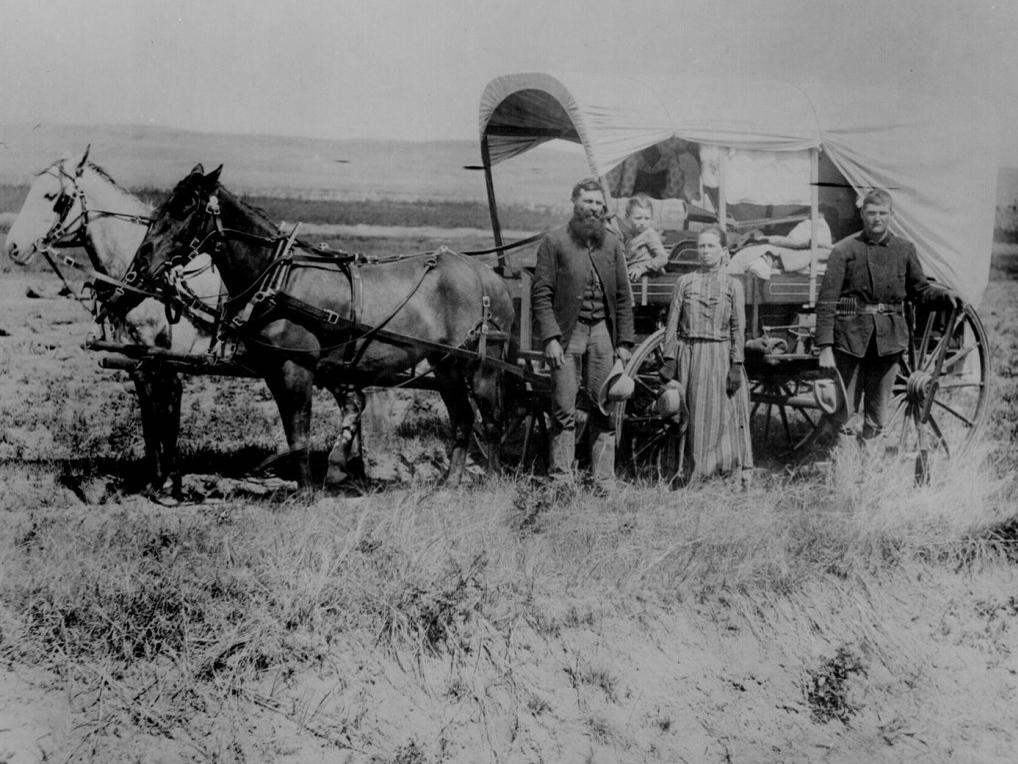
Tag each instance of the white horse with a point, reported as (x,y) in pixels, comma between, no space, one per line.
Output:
(74,202)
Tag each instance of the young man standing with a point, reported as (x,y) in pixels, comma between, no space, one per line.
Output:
(861,327)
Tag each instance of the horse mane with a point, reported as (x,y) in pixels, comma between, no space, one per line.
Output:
(98,169)
(115,186)
(101,172)
(257,211)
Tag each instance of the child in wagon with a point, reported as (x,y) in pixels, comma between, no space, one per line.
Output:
(644,251)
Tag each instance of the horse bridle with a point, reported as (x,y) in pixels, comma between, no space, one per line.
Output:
(149,278)
(64,234)
(200,234)
(60,233)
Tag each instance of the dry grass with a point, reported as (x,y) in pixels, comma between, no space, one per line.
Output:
(165,621)
(417,565)
(161,619)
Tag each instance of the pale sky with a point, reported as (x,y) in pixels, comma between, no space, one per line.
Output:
(415,70)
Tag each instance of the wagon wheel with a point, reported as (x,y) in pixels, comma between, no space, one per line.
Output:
(942,388)
(785,413)
(649,447)
(524,430)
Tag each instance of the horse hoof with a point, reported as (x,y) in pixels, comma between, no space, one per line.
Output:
(455,480)
(335,477)
(348,490)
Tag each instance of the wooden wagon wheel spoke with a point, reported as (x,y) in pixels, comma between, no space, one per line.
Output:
(968,421)
(652,443)
(767,420)
(643,386)
(954,359)
(961,384)
(784,423)
(910,416)
(924,344)
(932,424)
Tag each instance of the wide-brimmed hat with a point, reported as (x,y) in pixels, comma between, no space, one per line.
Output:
(829,392)
(618,387)
(671,403)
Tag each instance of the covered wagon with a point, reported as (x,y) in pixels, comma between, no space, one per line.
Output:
(762,157)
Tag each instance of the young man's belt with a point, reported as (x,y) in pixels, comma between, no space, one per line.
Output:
(848,306)
(880,307)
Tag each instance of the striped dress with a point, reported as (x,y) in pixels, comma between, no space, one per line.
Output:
(705,334)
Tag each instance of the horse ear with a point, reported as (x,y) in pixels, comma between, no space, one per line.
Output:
(197,170)
(212,179)
(81,162)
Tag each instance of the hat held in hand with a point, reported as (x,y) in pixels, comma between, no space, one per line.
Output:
(829,392)
(618,387)
(671,403)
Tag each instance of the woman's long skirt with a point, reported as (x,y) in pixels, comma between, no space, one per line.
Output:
(717,438)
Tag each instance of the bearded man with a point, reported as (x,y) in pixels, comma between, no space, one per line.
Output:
(583,315)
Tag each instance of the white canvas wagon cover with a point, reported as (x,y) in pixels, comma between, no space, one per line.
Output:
(937,157)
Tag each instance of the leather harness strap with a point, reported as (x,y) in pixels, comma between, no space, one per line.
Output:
(274,297)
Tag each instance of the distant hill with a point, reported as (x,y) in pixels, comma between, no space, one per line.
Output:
(144,156)
(280,166)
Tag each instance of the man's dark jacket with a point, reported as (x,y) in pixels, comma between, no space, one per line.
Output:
(870,273)
(563,267)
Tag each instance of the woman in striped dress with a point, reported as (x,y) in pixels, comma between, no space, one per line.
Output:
(703,350)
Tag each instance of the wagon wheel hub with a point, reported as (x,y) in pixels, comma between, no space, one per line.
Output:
(919,386)
(920,390)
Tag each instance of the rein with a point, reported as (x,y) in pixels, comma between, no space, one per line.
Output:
(507,247)
(49,253)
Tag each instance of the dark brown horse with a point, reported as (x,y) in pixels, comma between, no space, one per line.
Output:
(328,319)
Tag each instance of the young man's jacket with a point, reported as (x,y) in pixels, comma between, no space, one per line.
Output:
(563,267)
(863,293)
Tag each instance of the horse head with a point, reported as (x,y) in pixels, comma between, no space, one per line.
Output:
(181,225)
(53,213)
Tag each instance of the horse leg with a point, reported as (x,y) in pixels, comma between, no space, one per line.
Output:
(170,431)
(145,388)
(489,395)
(345,455)
(292,386)
(159,400)
(452,386)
